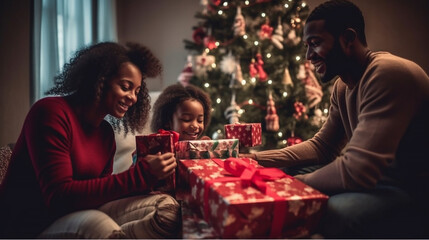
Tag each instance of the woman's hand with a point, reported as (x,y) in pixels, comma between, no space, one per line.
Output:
(161,165)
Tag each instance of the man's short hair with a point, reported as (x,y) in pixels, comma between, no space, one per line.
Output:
(340,15)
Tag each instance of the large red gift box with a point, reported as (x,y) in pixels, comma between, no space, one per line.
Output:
(259,203)
(152,144)
(249,134)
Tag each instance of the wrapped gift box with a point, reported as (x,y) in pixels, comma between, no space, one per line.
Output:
(237,209)
(193,224)
(152,144)
(205,149)
(249,134)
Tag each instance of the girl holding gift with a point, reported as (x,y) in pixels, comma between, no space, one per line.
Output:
(183,109)
(60,183)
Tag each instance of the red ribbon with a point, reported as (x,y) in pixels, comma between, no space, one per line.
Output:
(176,135)
(249,175)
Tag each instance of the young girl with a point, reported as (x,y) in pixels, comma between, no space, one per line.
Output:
(59,182)
(185,110)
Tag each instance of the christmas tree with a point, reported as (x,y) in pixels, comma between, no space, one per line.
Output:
(248,55)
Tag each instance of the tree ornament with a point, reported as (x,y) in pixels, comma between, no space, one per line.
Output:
(292,140)
(292,39)
(187,73)
(301,72)
(295,21)
(236,76)
(231,113)
(216,2)
(319,118)
(266,31)
(210,42)
(198,35)
(228,64)
(239,26)
(259,66)
(218,134)
(300,111)
(209,6)
(277,38)
(203,63)
(238,72)
(271,119)
(253,72)
(313,90)
(287,80)
(205,4)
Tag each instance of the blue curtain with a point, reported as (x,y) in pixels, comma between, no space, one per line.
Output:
(60,28)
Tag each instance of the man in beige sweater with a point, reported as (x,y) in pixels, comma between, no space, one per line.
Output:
(374,146)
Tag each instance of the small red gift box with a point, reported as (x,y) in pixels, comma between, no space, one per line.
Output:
(249,134)
(205,149)
(245,200)
(152,144)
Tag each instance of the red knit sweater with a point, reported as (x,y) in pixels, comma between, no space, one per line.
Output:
(60,165)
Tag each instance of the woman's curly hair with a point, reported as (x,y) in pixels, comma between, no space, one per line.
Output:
(88,73)
(167,102)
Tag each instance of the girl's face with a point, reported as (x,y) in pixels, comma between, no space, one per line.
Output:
(188,120)
(123,90)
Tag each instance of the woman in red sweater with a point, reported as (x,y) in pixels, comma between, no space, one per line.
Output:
(59,183)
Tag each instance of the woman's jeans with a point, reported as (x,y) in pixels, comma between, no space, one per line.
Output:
(383,212)
(148,216)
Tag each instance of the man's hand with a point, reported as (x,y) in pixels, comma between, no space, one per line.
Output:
(161,165)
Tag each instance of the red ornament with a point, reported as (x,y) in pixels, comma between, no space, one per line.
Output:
(266,31)
(210,42)
(300,110)
(293,140)
(252,68)
(187,73)
(256,69)
(271,119)
(198,35)
(216,2)
(259,63)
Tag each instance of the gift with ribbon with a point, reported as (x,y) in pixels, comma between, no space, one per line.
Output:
(241,199)
(205,149)
(161,142)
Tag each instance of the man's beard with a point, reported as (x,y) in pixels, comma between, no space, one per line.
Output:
(335,63)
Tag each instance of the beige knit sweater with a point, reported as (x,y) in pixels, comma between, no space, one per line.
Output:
(382,124)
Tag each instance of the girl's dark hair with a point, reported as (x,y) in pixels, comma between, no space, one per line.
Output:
(167,102)
(340,15)
(88,73)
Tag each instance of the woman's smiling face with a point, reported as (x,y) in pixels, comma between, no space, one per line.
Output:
(123,90)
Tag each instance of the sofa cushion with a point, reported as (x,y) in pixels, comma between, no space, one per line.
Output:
(5,153)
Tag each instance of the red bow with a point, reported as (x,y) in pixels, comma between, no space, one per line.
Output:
(250,175)
(176,135)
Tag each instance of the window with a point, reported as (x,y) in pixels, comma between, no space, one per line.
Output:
(60,28)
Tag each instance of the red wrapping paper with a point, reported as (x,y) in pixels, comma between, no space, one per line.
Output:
(249,134)
(162,142)
(237,209)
